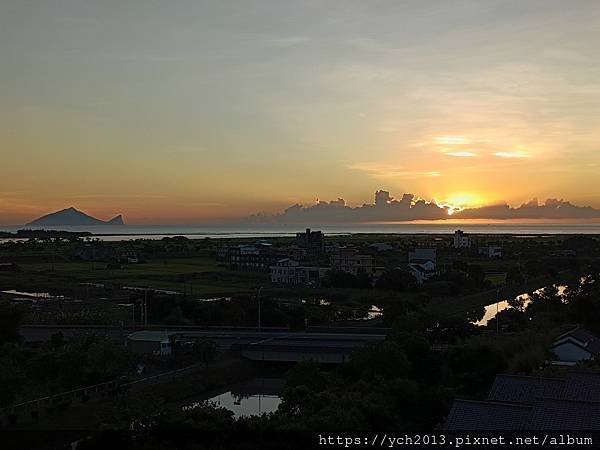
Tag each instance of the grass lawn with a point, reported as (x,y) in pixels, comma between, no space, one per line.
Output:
(496,279)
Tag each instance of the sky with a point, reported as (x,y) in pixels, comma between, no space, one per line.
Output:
(186,111)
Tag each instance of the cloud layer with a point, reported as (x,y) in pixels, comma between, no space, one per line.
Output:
(386,208)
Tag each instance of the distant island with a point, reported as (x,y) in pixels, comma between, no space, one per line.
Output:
(73,218)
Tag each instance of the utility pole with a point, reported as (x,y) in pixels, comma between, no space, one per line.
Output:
(145,307)
(497,312)
(258,300)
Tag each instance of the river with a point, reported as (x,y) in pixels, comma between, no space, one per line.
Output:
(493,309)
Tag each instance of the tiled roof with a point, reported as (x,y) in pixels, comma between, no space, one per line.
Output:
(564,415)
(473,416)
(533,403)
(582,386)
(521,389)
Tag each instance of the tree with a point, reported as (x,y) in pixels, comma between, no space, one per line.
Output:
(395,280)
(10,320)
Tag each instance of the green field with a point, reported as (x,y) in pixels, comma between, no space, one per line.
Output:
(200,275)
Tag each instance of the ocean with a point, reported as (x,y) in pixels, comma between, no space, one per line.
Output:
(128,232)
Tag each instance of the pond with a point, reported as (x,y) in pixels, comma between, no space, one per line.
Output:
(252,398)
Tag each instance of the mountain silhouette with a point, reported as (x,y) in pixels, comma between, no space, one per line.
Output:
(73,217)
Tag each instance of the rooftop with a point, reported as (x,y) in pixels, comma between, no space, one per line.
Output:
(149,335)
(532,403)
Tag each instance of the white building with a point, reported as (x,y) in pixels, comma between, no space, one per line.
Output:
(422,271)
(461,239)
(422,263)
(575,346)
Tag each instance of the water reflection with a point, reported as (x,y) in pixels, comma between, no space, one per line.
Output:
(493,309)
(253,398)
(37,295)
(373,313)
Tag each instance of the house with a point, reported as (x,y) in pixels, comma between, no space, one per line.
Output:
(575,346)
(517,403)
(422,263)
(348,259)
(284,271)
(288,271)
(150,342)
(128,256)
(461,239)
(422,271)
(311,241)
(491,251)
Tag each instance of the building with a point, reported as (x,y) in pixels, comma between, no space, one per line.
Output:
(311,241)
(491,251)
(575,346)
(517,403)
(348,259)
(288,271)
(311,275)
(254,258)
(461,239)
(129,257)
(422,271)
(150,342)
(422,263)
(284,271)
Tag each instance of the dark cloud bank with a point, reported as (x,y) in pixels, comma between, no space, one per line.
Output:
(387,208)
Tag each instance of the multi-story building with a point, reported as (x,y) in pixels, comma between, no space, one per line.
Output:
(311,241)
(288,271)
(350,260)
(461,239)
(256,258)
(284,271)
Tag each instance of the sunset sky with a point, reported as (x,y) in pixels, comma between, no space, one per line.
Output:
(183,111)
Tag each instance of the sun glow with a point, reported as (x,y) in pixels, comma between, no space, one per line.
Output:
(460,200)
